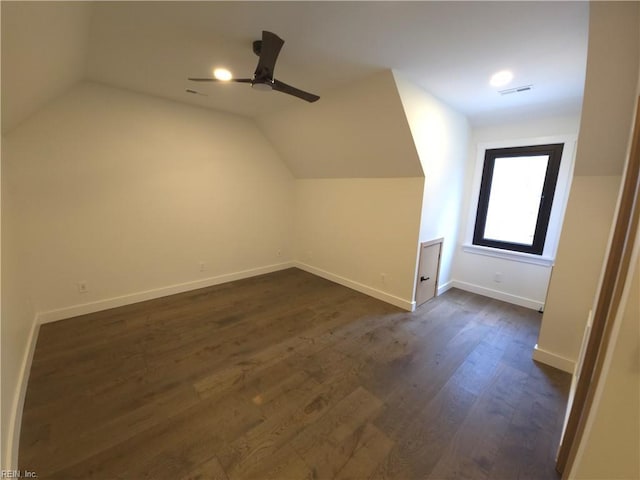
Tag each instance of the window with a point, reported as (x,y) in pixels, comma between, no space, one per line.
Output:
(516,196)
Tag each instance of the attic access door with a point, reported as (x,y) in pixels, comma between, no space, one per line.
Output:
(428,270)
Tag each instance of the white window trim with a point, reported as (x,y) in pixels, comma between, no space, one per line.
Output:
(508,255)
(561,197)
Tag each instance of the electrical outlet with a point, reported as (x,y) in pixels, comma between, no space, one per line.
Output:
(279,253)
(383,278)
(497,277)
(203,266)
(82,287)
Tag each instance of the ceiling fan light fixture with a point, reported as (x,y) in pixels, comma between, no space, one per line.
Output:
(222,74)
(501,78)
(269,48)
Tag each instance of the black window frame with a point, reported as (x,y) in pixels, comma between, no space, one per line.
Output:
(554,151)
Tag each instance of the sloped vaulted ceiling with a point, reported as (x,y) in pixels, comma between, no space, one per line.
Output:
(447,48)
(359,131)
(44,52)
(342,51)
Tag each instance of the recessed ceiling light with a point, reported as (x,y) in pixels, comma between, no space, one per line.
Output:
(501,78)
(222,74)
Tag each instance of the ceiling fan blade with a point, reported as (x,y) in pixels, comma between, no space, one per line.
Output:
(237,80)
(269,50)
(284,88)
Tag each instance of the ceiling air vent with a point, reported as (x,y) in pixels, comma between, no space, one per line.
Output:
(508,91)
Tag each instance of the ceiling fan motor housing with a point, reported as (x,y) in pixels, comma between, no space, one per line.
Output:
(257,47)
(262,86)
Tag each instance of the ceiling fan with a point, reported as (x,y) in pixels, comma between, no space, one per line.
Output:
(267,49)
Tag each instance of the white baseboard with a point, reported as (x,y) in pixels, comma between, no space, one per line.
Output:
(498,295)
(92,307)
(15,422)
(445,287)
(372,292)
(553,360)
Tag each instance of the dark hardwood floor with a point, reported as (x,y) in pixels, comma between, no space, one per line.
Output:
(289,376)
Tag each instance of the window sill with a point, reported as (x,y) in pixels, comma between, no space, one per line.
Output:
(509,255)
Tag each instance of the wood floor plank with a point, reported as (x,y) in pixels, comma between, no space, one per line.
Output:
(285,463)
(369,446)
(209,470)
(419,444)
(328,445)
(174,447)
(83,438)
(312,402)
(425,376)
(246,455)
(471,451)
(289,376)
(529,446)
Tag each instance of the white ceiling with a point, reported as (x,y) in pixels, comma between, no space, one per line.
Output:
(448,48)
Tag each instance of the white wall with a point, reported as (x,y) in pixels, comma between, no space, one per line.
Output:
(40,71)
(17,322)
(441,137)
(575,275)
(521,283)
(359,187)
(130,193)
(614,32)
(614,50)
(353,231)
(611,442)
(46,58)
